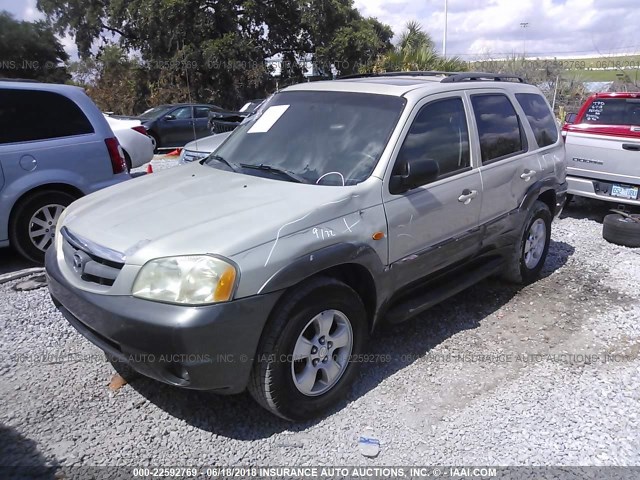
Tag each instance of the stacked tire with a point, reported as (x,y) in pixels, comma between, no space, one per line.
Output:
(622,230)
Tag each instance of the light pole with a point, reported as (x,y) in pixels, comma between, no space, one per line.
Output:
(444,38)
(524,26)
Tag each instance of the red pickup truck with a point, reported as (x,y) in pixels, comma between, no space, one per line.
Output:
(603,148)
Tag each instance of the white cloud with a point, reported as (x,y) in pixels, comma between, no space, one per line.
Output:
(555,27)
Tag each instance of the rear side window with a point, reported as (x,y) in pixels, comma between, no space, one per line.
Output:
(202,112)
(28,115)
(613,111)
(498,127)
(540,118)
(439,132)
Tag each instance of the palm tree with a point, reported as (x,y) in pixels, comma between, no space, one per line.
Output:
(415,51)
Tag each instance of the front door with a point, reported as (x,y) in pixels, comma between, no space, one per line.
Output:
(177,127)
(435,225)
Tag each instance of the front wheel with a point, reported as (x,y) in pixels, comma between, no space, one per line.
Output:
(308,354)
(530,252)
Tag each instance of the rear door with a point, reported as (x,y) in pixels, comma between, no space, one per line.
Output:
(435,225)
(605,144)
(508,168)
(201,118)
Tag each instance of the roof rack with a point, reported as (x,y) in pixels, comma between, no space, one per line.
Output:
(479,76)
(25,80)
(450,77)
(395,74)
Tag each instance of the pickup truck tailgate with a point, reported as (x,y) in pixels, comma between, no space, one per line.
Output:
(604,155)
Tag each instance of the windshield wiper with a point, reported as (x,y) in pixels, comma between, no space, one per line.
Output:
(269,168)
(222,160)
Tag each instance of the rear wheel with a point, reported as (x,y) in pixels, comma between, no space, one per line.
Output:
(305,358)
(34,220)
(155,141)
(530,252)
(127,160)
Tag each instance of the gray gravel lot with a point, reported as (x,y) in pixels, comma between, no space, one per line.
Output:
(543,375)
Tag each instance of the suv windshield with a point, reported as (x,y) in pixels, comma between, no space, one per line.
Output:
(328,138)
(614,111)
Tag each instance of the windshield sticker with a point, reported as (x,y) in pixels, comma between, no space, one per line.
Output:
(268,119)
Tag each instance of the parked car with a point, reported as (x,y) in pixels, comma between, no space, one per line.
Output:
(55,146)
(603,148)
(340,205)
(227,121)
(199,149)
(171,126)
(137,146)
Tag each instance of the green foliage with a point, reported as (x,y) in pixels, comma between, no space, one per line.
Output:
(217,49)
(415,51)
(30,51)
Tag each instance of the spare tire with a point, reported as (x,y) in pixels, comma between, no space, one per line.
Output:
(621,230)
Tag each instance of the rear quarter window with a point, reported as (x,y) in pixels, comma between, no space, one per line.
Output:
(28,115)
(540,118)
(613,111)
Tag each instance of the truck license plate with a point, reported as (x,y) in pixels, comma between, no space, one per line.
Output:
(630,193)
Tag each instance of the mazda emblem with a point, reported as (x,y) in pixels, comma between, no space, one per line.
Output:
(77,263)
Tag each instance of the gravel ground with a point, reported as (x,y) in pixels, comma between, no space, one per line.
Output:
(557,384)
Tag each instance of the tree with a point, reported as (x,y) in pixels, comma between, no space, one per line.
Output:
(30,51)
(217,48)
(415,51)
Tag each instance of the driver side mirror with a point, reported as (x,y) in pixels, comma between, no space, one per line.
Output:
(414,175)
(169,117)
(570,118)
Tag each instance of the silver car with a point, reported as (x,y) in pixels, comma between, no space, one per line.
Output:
(55,146)
(340,205)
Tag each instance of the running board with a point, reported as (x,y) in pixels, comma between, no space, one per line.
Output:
(442,287)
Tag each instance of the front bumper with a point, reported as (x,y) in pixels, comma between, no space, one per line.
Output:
(204,348)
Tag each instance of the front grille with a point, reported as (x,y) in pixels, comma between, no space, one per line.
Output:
(222,127)
(91,262)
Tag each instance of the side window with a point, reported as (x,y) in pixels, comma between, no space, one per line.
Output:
(182,113)
(439,132)
(202,112)
(540,118)
(28,115)
(499,128)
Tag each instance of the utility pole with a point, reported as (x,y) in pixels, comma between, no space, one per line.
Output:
(524,26)
(444,39)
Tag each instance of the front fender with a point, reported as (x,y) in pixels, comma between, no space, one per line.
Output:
(334,255)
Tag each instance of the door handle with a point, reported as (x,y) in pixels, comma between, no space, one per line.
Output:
(527,174)
(631,147)
(467,196)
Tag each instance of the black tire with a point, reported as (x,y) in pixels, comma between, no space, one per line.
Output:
(271,383)
(156,140)
(517,270)
(20,224)
(621,230)
(127,160)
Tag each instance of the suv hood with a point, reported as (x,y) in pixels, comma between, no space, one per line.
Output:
(199,209)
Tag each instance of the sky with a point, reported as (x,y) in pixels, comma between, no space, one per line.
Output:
(556,28)
(480,29)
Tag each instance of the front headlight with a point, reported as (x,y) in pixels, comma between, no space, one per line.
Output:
(189,280)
